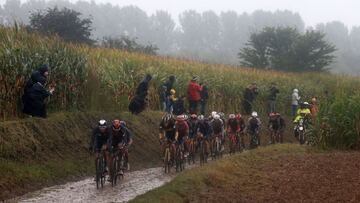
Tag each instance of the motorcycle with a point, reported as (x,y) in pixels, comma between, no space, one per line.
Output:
(300,131)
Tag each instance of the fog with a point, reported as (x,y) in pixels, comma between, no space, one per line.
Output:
(211,31)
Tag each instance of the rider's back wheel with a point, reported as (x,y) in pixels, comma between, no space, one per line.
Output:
(167,160)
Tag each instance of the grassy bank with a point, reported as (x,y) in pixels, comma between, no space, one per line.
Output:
(36,152)
(278,173)
(203,184)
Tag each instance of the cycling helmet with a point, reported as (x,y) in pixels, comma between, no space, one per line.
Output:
(167,117)
(201,117)
(238,116)
(193,116)
(102,124)
(213,113)
(272,114)
(221,114)
(123,123)
(232,116)
(116,124)
(306,103)
(254,114)
(217,117)
(181,118)
(172,91)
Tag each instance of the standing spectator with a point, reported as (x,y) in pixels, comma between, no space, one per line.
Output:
(194,97)
(142,89)
(173,99)
(169,84)
(179,107)
(36,98)
(295,102)
(313,107)
(163,98)
(41,73)
(204,97)
(250,94)
(272,97)
(138,102)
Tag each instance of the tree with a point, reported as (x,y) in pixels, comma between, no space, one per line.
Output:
(284,48)
(65,23)
(128,44)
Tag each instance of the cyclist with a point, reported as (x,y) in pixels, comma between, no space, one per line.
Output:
(193,125)
(204,131)
(253,129)
(99,141)
(167,133)
(120,139)
(233,128)
(242,128)
(182,131)
(277,127)
(217,126)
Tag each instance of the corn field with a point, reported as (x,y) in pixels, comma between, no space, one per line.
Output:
(97,79)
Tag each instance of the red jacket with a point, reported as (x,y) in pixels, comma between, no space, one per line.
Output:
(194,91)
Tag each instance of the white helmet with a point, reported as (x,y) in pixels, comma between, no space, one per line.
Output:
(201,117)
(254,114)
(213,114)
(232,116)
(306,103)
(217,117)
(296,90)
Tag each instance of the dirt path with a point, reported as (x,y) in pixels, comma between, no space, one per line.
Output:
(134,184)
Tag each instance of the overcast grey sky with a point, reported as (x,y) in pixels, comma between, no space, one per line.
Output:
(312,11)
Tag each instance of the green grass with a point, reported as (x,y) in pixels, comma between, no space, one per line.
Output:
(197,184)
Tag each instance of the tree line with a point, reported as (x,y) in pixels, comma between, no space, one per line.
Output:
(203,36)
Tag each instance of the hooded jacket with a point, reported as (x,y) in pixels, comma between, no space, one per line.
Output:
(194,90)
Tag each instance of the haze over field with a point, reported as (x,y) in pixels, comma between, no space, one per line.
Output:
(218,28)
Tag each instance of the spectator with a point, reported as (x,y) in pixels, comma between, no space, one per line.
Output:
(250,94)
(163,98)
(295,102)
(169,84)
(41,73)
(272,98)
(179,107)
(138,102)
(204,97)
(173,99)
(36,98)
(313,107)
(194,97)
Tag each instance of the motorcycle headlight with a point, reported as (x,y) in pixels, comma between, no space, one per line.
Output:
(301,128)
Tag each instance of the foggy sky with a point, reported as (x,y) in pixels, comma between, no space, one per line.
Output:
(312,11)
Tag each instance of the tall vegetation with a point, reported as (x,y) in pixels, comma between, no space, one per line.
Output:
(102,79)
(338,123)
(21,53)
(284,48)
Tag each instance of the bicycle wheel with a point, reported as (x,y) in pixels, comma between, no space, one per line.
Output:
(114,170)
(98,172)
(103,166)
(167,160)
